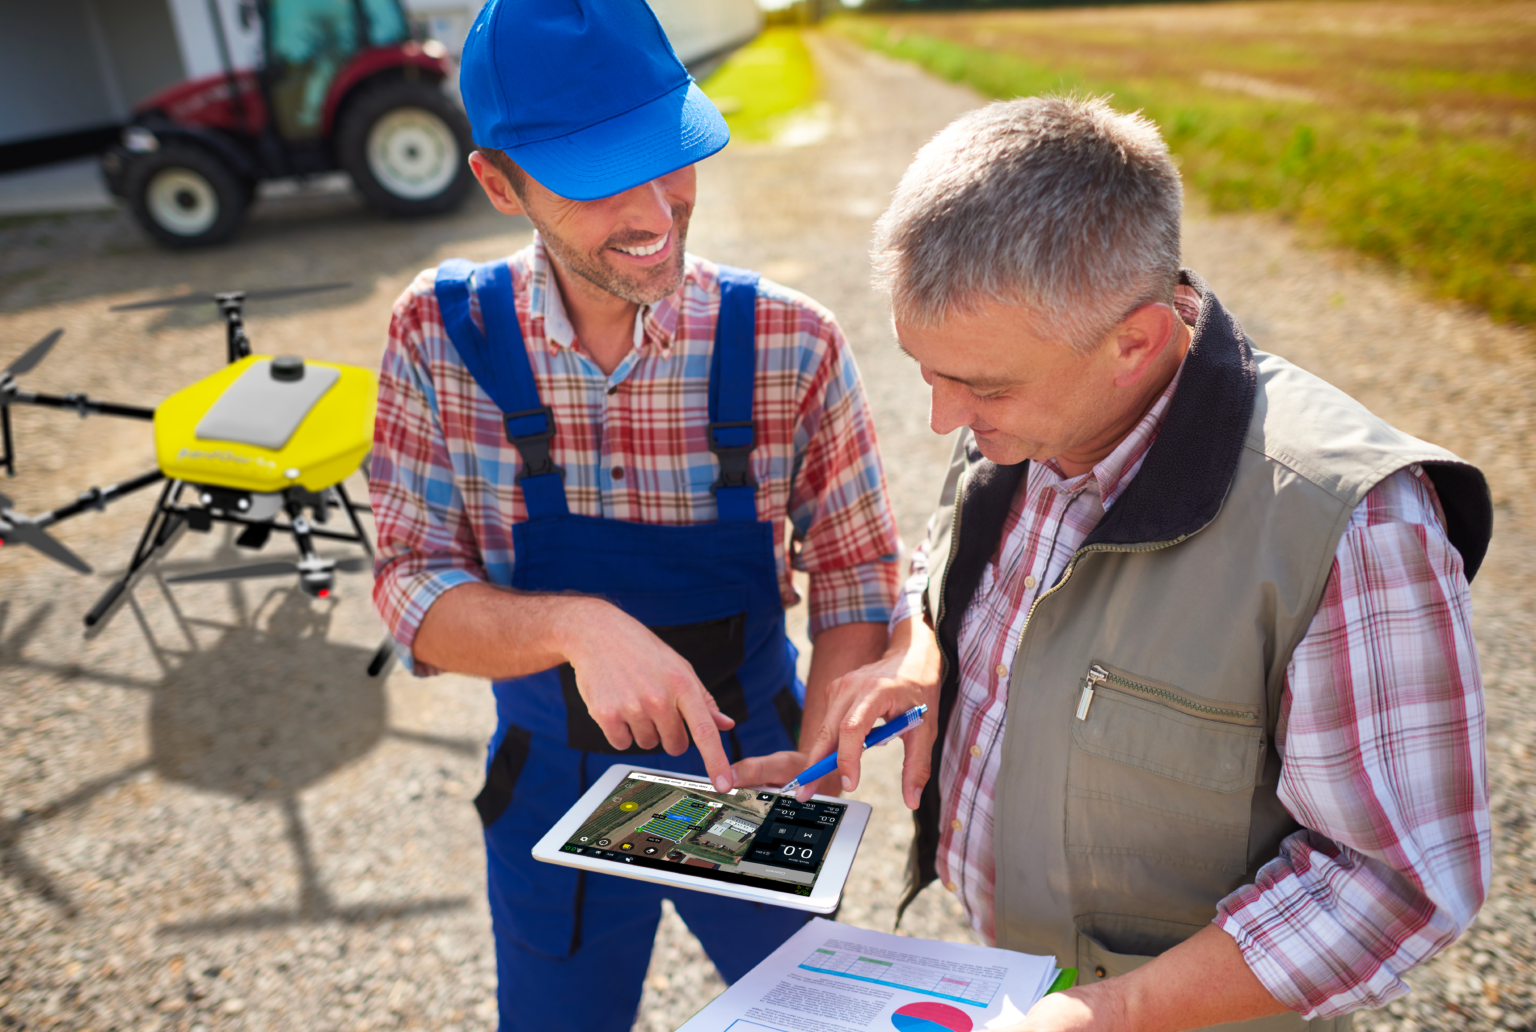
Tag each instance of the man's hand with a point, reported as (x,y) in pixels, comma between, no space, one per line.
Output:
(906,676)
(1202,981)
(1075,1010)
(835,652)
(637,688)
(640,691)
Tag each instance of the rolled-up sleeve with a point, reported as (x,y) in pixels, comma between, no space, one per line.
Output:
(838,503)
(1382,743)
(426,542)
(910,602)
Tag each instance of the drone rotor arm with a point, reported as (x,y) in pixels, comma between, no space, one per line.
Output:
(98,498)
(81,403)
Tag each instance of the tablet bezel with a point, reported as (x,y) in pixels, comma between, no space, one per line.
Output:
(825,893)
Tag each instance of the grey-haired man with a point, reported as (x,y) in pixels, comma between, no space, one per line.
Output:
(1195,624)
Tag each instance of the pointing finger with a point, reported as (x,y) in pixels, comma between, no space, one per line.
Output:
(854,729)
(700,718)
(917,762)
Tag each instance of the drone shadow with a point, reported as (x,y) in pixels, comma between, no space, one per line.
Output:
(259,708)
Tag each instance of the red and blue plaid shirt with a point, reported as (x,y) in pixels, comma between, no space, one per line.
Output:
(1381,736)
(632,444)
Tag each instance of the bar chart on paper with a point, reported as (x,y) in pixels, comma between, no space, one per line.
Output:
(962,983)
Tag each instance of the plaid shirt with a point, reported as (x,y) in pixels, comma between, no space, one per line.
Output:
(1380,732)
(632,443)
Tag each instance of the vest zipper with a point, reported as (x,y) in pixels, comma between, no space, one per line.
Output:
(954,544)
(1098,676)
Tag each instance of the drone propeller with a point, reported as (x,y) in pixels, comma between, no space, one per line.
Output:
(33,355)
(16,529)
(277,569)
(271,294)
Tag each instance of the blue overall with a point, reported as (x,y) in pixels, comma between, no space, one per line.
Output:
(572,947)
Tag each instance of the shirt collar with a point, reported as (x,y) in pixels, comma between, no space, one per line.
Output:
(654,323)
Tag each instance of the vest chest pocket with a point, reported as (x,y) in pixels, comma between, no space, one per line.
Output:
(1159,792)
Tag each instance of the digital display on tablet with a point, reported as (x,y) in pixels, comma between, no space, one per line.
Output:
(745,836)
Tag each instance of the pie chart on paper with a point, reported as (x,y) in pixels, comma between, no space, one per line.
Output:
(930,1017)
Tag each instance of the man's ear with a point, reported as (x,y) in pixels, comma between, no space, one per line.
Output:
(496,185)
(1141,338)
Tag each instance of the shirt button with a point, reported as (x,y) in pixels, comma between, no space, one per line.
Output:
(975,750)
(617,472)
(956,824)
(614,389)
(951,886)
(1030,582)
(1002,670)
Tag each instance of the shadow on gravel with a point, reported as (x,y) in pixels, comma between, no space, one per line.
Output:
(259,709)
(14,863)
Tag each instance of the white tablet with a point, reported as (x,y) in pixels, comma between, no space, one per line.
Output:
(675,829)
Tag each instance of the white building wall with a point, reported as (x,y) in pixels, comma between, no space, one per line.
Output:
(697,28)
(200,46)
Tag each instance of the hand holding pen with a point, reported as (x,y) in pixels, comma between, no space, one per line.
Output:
(886,732)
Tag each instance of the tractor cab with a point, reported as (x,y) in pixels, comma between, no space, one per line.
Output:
(309,45)
(341,84)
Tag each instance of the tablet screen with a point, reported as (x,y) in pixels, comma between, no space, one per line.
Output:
(743,836)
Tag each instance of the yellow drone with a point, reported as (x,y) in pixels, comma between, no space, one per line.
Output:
(260,443)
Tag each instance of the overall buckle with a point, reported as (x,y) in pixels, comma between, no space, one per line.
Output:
(533,448)
(735,460)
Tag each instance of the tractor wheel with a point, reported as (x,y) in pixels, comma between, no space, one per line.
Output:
(405,145)
(185,197)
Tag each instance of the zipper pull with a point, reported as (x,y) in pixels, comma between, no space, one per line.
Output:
(1097,675)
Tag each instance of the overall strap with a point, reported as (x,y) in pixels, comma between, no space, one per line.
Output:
(502,370)
(731,435)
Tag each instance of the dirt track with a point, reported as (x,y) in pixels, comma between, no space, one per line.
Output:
(210,817)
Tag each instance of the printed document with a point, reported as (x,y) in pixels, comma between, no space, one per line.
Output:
(831,977)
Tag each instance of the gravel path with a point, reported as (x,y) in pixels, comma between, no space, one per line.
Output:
(210,818)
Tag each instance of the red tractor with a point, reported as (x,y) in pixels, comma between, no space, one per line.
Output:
(341,85)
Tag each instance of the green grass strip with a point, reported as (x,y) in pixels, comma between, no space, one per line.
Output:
(763,84)
(1457,211)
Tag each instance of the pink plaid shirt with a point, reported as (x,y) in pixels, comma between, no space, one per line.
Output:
(1380,732)
(632,443)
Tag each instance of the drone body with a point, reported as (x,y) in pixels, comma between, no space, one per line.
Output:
(263,443)
(262,425)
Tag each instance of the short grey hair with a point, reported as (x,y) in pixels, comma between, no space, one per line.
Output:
(1059,204)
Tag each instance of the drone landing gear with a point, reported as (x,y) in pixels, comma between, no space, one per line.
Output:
(317,575)
(163,527)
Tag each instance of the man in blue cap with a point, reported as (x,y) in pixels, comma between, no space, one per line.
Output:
(584,458)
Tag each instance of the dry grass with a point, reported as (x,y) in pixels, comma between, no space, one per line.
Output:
(1406,131)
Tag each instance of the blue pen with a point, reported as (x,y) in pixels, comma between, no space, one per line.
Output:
(879,736)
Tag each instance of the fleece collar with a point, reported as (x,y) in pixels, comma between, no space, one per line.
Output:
(1190,466)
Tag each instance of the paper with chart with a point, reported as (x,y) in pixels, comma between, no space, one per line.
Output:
(831,977)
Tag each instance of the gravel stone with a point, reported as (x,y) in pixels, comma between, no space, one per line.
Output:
(210,818)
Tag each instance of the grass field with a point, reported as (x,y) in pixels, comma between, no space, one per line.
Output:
(1405,131)
(763,84)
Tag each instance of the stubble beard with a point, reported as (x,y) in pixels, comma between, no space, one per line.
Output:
(656,284)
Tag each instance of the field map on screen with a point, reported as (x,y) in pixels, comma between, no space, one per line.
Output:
(742,836)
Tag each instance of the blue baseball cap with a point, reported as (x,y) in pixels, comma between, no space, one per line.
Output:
(585,95)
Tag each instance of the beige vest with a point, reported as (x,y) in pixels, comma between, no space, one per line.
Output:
(1133,808)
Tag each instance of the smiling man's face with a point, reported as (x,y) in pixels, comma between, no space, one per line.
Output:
(629,245)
